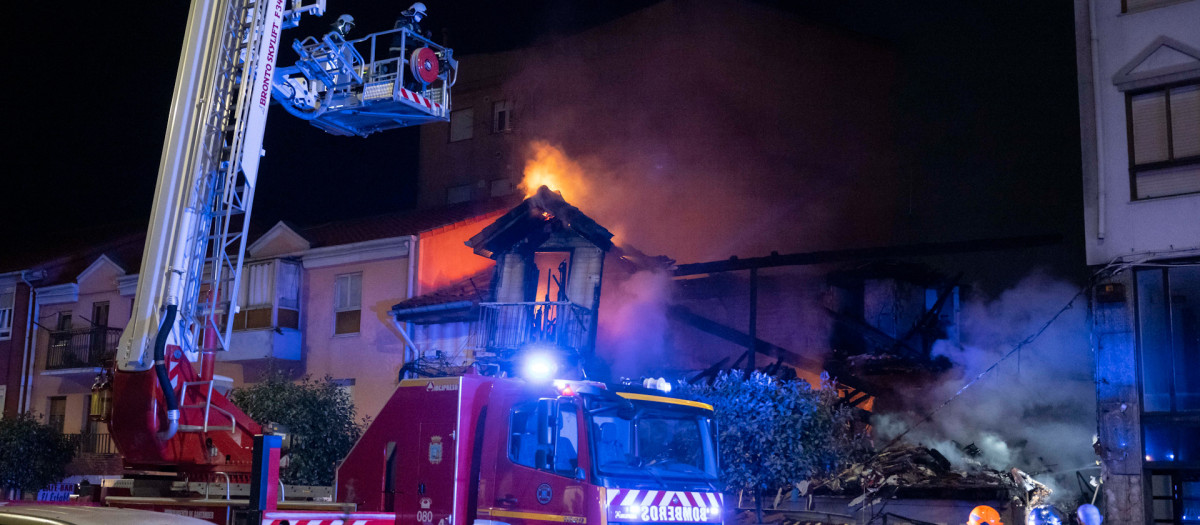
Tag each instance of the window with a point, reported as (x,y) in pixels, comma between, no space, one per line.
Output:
(1130,6)
(501,187)
(56,417)
(457,194)
(522,443)
(1174,494)
(1168,302)
(462,124)
(1164,141)
(501,116)
(523,446)
(100,314)
(269,295)
(347,306)
(1168,341)
(6,315)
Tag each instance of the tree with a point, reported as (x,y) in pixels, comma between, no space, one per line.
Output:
(320,416)
(777,434)
(32,454)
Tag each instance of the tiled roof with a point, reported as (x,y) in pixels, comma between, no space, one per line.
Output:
(409,222)
(472,289)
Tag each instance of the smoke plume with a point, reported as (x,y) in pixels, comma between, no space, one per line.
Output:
(1035,411)
(634,323)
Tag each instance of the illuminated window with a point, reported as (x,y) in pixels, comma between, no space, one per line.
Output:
(1168,304)
(462,124)
(1174,496)
(347,306)
(1164,141)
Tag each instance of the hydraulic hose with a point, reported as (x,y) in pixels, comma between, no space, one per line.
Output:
(160,368)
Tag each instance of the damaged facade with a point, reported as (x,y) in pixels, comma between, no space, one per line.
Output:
(1139,85)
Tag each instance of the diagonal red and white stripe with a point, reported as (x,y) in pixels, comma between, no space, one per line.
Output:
(329,518)
(416,98)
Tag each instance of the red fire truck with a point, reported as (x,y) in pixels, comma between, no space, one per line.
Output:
(445,451)
(492,450)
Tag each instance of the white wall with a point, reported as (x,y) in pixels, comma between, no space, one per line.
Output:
(1130,228)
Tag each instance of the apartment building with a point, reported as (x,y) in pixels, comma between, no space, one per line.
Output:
(1139,86)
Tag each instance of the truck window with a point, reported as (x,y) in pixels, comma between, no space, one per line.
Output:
(522,442)
(566,450)
(523,438)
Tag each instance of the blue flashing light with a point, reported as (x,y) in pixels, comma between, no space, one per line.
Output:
(539,367)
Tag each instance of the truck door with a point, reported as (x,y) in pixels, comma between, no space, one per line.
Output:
(541,479)
(423,472)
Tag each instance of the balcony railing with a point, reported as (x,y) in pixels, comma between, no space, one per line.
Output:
(83,348)
(506,327)
(92,443)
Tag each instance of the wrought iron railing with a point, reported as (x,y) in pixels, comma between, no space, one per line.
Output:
(92,443)
(87,347)
(506,327)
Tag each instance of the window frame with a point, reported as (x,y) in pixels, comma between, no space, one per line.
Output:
(499,107)
(339,308)
(470,126)
(1171,162)
(7,319)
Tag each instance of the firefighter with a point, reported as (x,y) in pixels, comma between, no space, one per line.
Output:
(343,25)
(1089,515)
(1043,515)
(984,514)
(409,18)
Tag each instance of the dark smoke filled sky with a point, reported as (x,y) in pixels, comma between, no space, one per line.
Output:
(980,101)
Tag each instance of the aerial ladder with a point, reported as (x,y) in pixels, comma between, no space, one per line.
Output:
(164,415)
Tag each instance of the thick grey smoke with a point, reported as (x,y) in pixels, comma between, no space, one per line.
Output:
(1036,411)
(634,322)
(712,129)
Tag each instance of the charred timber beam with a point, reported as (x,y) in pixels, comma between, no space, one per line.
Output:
(733,335)
(858,254)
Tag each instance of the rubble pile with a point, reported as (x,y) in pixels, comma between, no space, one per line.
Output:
(908,470)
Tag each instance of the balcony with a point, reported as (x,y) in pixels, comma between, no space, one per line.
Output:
(504,328)
(92,443)
(82,348)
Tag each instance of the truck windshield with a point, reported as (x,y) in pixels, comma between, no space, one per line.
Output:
(655,443)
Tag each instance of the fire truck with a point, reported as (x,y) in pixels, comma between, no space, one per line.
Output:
(443,451)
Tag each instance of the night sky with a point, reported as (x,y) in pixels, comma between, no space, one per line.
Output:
(985,104)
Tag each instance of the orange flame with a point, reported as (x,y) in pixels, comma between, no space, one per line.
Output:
(548,166)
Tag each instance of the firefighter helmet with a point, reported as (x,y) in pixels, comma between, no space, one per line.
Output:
(416,11)
(984,514)
(343,24)
(1043,515)
(1089,514)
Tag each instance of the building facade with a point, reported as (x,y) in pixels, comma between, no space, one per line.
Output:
(1139,87)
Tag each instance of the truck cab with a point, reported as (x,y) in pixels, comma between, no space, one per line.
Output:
(498,450)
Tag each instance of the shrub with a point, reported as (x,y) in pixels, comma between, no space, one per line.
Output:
(32,454)
(320,416)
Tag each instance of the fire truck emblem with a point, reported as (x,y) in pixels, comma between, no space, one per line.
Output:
(544,493)
(435,449)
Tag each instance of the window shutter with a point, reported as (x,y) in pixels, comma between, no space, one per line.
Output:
(1185,121)
(1149,114)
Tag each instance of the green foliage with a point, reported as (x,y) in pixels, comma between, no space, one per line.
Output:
(775,434)
(320,416)
(32,455)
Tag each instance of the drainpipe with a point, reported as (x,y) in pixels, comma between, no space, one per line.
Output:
(410,293)
(29,351)
(1101,186)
